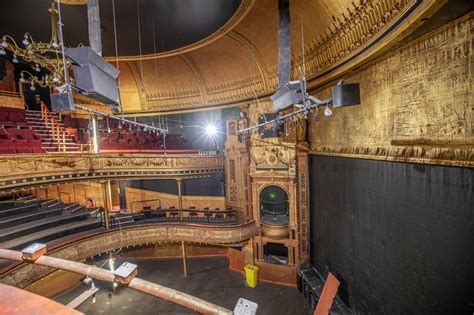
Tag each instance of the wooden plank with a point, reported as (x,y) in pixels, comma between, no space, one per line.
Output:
(327,296)
(82,298)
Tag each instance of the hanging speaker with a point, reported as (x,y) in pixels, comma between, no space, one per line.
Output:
(345,94)
(93,75)
(62,102)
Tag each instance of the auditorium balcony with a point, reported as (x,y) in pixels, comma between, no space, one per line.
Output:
(27,218)
(43,131)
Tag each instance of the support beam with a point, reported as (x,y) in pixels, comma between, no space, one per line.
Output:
(284,43)
(108,203)
(185,268)
(180,197)
(93,18)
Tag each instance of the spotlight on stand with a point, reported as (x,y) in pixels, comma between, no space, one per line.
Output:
(293,92)
(294,95)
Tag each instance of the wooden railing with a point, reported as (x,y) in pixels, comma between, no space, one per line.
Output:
(141,202)
(58,132)
(188,215)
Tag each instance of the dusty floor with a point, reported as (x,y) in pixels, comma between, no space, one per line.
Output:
(208,278)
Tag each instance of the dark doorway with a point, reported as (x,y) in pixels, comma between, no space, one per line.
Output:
(275,253)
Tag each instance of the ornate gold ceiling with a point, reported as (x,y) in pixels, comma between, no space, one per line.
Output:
(242,62)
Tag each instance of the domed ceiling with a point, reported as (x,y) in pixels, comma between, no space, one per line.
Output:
(243,64)
(208,53)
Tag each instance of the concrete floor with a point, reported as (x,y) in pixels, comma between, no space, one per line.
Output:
(208,278)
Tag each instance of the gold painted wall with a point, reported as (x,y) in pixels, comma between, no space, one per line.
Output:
(416,104)
(138,198)
(74,193)
(12,101)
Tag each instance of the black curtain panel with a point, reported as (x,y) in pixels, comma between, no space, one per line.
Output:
(398,236)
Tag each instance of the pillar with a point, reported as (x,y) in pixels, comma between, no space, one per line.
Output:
(108,203)
(185,269)
(180,197)
(115,193)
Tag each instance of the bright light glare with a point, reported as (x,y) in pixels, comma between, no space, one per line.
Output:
(211,130)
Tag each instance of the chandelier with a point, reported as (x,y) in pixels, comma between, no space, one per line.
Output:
(39,55)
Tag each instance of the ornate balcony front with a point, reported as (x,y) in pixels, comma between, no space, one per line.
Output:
(22,274)
(23,171)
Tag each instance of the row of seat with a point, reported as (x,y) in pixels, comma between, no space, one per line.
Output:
(189,214)
(16,136)
(135,140)
(12,117)
(16,140)
(117,136)
(28,220)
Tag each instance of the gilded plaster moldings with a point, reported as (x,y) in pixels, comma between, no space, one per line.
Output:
(29,170)
(272,154)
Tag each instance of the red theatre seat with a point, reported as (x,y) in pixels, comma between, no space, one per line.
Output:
(6,146)
(18,118)
(4,117)
(16,135)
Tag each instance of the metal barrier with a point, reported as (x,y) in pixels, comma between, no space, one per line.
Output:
(153,289)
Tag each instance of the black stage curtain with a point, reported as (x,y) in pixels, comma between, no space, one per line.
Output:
(398,236)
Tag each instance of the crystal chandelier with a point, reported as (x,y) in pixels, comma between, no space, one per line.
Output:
(39,55)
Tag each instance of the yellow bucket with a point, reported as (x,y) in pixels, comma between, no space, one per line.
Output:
(251,275)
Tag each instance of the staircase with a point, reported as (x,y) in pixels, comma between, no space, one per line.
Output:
(50,144)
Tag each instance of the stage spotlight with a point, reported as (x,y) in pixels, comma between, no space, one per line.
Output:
(211,130)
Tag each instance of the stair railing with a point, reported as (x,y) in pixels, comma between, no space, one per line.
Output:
(58,132)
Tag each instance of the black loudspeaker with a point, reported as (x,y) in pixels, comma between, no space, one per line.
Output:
(344,94)
(95,76)
(62,102)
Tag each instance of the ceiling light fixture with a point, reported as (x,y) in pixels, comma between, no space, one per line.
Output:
(41,55)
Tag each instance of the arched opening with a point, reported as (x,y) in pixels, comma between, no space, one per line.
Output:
(274,206)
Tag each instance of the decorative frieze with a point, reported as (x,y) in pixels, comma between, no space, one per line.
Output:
(28,170)
(416,105)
